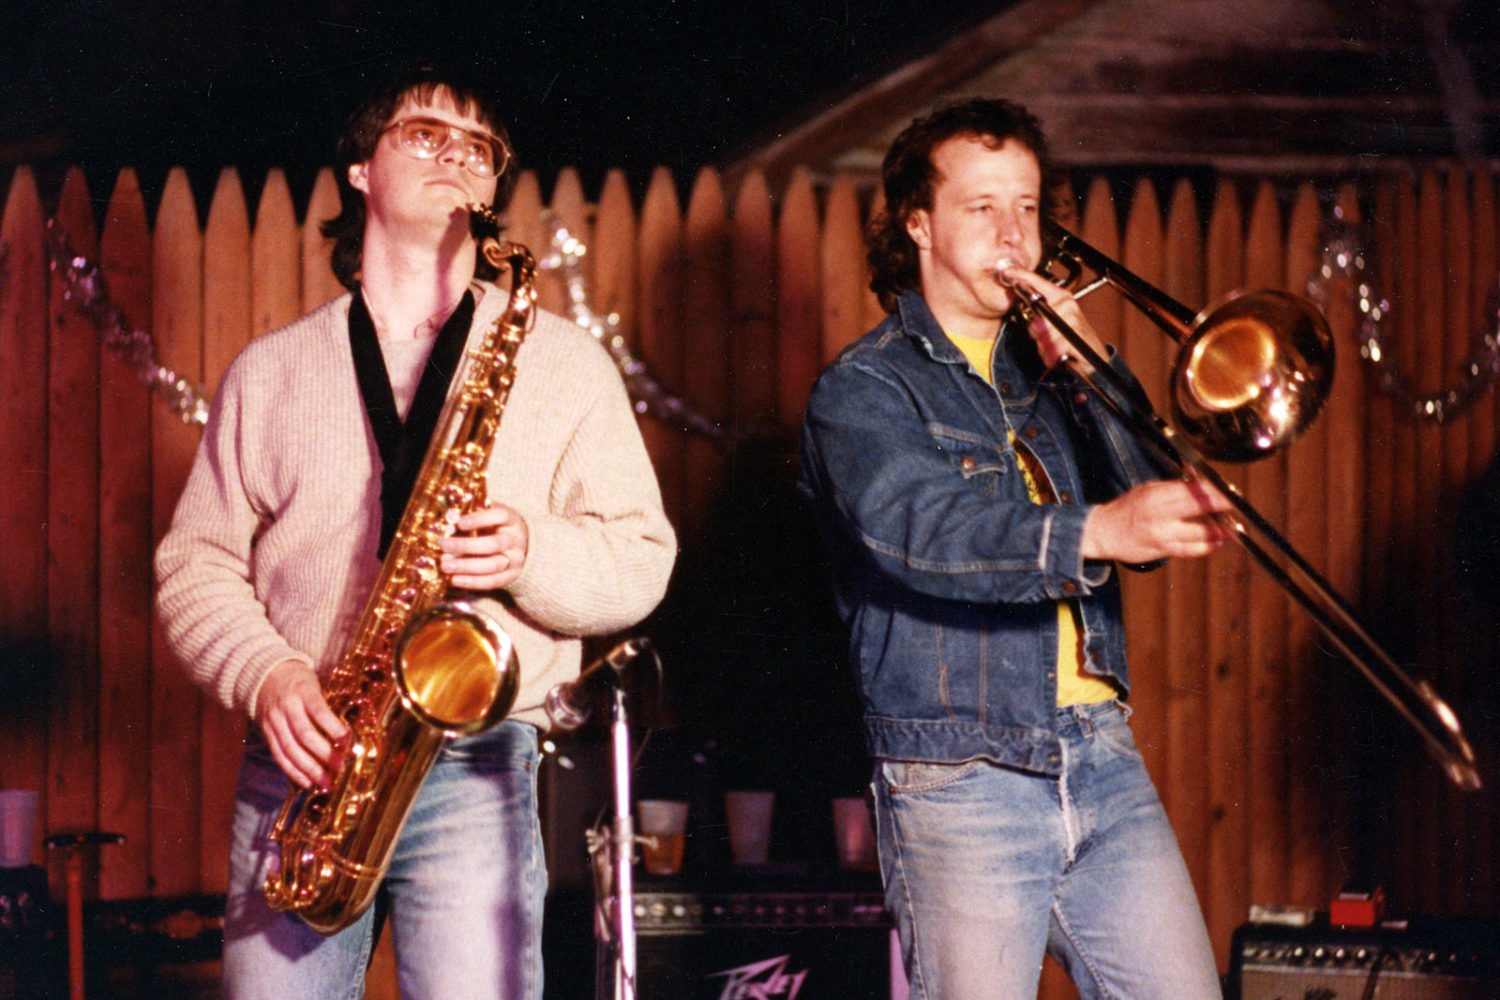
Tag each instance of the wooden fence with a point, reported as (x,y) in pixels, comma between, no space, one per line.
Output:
(1283,775)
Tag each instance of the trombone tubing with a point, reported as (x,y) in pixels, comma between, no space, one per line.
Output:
(1440,730)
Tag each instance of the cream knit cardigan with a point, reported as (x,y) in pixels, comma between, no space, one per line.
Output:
(271,552)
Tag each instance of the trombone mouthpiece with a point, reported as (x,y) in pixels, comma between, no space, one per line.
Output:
(1000,267)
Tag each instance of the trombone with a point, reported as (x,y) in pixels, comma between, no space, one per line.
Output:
(1251,374)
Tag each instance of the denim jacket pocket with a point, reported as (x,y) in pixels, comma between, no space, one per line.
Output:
(978,459)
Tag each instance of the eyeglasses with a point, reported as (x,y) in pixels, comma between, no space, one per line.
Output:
(485,155)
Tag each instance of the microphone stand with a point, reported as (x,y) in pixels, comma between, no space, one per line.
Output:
(622,850)
(567,704)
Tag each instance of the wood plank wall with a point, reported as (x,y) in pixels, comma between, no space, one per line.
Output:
(1283,775)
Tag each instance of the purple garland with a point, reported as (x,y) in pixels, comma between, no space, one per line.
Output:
(83,285)
(647,394)
(1343,256)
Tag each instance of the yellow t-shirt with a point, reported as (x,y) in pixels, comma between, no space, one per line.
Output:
(1075,686)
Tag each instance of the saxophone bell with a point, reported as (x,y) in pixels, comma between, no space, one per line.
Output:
(456,668)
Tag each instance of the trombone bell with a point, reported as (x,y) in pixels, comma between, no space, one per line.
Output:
(1252,374)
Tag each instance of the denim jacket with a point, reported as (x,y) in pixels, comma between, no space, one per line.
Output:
(946,573)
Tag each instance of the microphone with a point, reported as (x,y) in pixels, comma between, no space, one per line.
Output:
(568,703)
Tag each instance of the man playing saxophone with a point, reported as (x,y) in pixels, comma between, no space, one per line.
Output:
(292,499)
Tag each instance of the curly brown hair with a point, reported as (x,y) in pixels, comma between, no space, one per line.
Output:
(356,144)
(908,177)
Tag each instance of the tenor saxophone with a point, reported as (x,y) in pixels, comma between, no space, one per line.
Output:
(421,666)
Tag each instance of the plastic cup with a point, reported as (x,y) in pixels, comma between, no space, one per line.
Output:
(854,834)
(17,828)
(749,815)
(662,824)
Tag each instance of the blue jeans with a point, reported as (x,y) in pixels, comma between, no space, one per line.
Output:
(986,868)
(467,885)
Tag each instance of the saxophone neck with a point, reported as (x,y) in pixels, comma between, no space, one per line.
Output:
(501,254)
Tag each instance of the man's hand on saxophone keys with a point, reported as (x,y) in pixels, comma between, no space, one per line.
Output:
(487,550)
(306,737)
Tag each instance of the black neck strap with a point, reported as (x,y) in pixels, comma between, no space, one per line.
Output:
(403,446)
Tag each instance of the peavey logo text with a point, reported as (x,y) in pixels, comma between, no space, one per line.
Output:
(761,980)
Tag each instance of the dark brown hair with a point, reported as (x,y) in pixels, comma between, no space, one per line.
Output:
(909,177)
(356,144)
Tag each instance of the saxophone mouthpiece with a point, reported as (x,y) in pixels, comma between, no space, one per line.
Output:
(483,223)
(484,226)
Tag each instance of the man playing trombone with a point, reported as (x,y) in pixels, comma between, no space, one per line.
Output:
(976,497)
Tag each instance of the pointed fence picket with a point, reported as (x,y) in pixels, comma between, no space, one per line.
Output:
(72,533)
(125,557)
(799,354)
(174,793)
(24,637)
(704,332)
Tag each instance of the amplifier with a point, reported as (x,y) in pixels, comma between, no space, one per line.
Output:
(1431,959)
(773,945)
